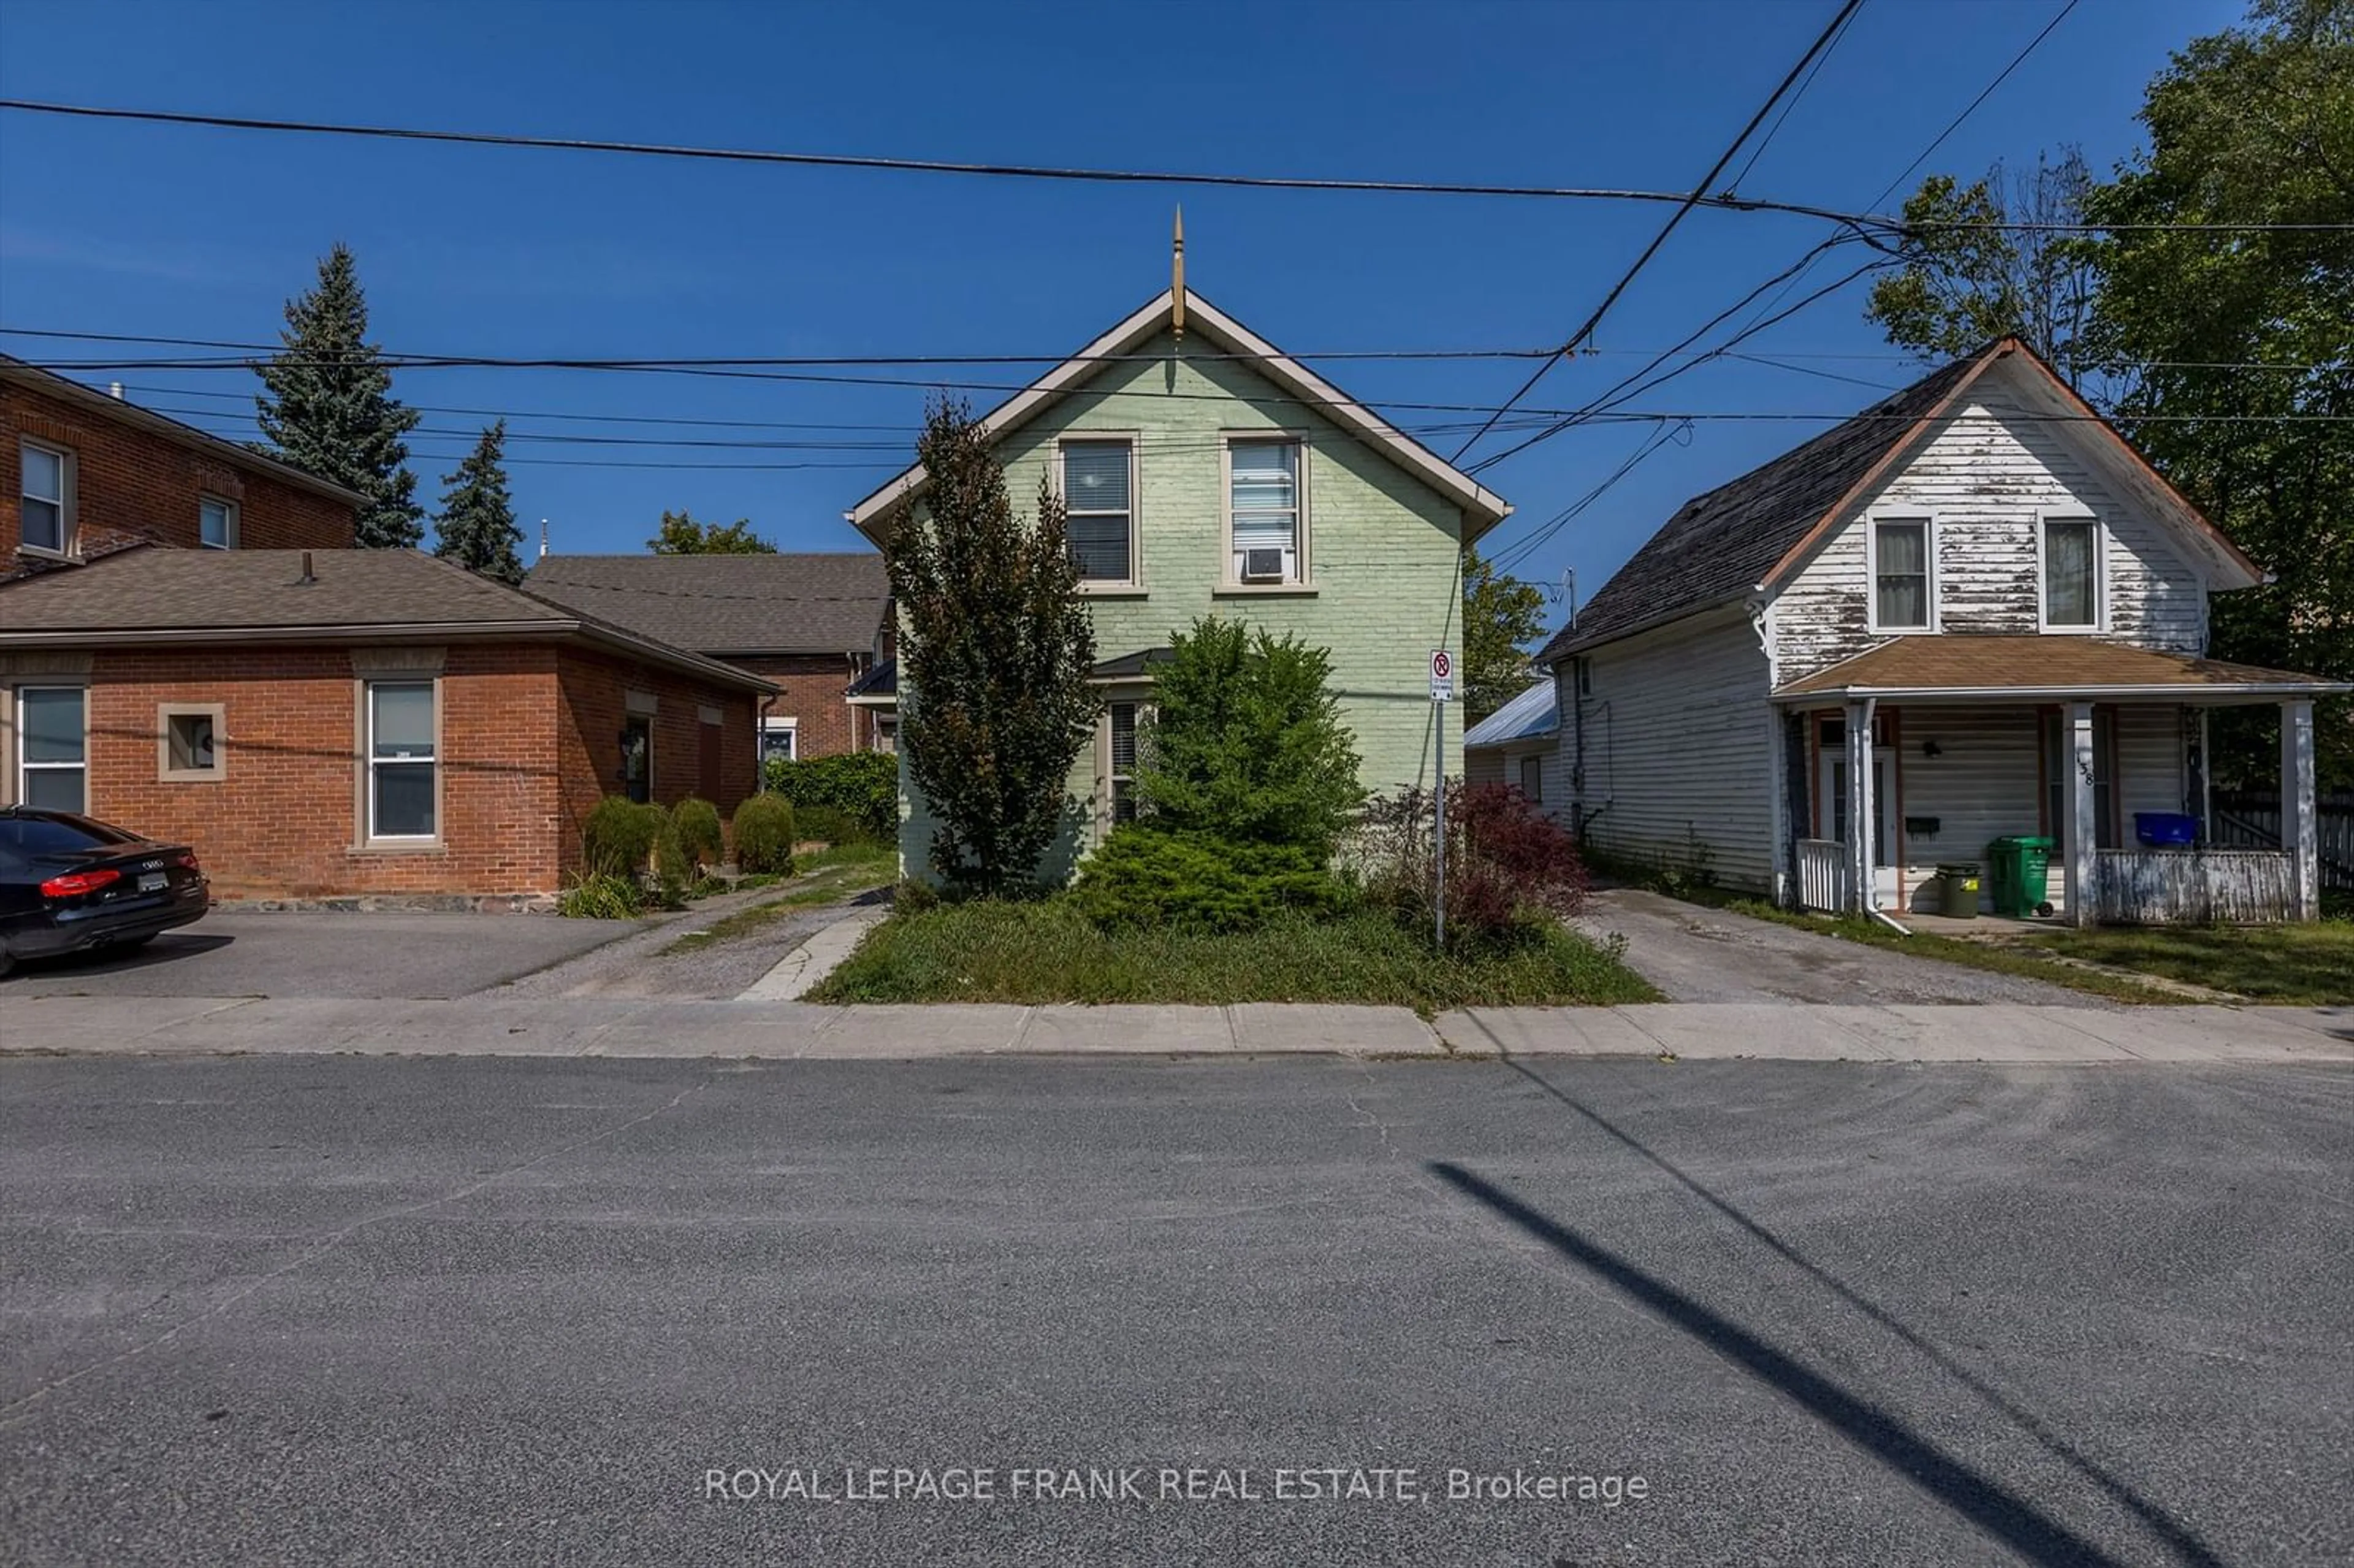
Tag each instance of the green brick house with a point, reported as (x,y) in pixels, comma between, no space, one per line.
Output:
(1205,472)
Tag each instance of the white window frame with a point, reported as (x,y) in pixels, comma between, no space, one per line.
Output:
(1928,523)
(2100,621)
(790,728)
(1301,576)
(21,766)
(64,500)
(370,760)
(167,713)
(1133,582)
(228,521)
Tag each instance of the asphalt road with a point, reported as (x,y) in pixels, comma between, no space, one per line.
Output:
(504,1310)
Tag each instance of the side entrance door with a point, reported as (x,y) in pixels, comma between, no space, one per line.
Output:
(1831,788)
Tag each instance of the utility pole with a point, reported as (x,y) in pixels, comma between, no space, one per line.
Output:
(1442,692)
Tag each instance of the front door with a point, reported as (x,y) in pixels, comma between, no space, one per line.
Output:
(1830,790)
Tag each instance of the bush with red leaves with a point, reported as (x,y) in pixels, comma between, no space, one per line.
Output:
(1508,865)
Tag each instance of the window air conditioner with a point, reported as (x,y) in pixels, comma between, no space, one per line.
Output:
(1263,566)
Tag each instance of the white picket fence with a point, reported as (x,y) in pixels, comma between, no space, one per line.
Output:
(2191,886)
(1822,874)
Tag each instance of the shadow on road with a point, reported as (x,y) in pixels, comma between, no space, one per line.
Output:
(2035,1535)
(169,948)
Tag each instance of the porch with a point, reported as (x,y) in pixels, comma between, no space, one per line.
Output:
(1883,782)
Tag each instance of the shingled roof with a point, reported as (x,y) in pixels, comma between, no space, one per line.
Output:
(1724,542)
(723,605)
(154,595)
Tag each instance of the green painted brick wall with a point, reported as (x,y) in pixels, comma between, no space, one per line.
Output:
(1382,553)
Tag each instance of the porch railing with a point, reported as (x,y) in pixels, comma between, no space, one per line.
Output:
(2155,887)
(2252,819)
(1822,874)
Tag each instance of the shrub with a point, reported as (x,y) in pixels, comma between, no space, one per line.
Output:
(863,785)
(605,897)
(1145,876)
(698,821)
(674,866)
(827,825)
(1246,742)
(1508,865)
(764,835)
(619,837)
(914,896)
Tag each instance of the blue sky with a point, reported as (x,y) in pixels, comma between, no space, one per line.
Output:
(203,233)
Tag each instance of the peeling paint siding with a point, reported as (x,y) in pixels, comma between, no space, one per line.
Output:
(1673,750)
(1985,477)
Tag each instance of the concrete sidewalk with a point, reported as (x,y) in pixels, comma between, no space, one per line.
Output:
(665,1027)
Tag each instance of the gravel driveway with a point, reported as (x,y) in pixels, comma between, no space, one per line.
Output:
(1697,954)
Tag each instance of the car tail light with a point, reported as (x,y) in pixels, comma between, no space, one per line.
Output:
(186,858)
(74,883)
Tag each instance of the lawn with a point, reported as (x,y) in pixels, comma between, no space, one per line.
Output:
(1047,952)
(2306,965)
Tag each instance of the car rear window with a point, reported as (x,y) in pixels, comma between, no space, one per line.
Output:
(32,836)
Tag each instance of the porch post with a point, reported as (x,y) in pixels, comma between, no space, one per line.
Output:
(2300,835)
(1861,810)
(2083,824)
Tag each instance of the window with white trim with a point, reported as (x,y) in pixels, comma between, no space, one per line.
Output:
(1899,570)
(1262,510)
(45,497)
(215,522)
(1122,772)
(2071,573)
(402,758)
(1100,511)
(52,747)
(780,739)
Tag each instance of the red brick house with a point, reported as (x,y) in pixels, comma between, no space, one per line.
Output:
(815,624)
(83,473)
(347,723)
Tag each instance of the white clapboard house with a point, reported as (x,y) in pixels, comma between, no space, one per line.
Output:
(1972,611)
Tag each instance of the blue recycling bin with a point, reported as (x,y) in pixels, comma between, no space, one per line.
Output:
(2165,829)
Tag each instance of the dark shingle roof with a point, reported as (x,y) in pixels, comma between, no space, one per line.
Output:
(819,603)
(1722,544)
(205,593)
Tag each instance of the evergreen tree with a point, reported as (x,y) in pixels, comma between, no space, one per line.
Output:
(477,525)
(994,651)
(328,408)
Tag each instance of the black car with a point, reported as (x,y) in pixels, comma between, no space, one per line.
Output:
(68,883)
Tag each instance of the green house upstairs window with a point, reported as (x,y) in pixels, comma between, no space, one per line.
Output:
(1097,482)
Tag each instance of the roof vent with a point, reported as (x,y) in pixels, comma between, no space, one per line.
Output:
(308,576)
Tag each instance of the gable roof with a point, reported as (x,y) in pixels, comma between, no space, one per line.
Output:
(49,383)
(819,602)
(1755,531)
(1482,507)
(1534,715)
(152,595)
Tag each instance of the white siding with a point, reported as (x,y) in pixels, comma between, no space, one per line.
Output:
(1676,747)
(1983,785)
(1502,764)
(2151,765)
(1985,478)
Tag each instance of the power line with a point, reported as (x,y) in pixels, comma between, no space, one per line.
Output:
(907,165)
(1972,107)
(1586,330)
(1782,118)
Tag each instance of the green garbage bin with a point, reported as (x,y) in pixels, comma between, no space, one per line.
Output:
(1957,889)
(2022,868)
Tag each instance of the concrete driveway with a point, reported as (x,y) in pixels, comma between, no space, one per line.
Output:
(1693,953)
(240,952)
(359,1310)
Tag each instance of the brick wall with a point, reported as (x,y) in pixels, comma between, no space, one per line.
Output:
(284,817)
(812,692)
(133,483)
(595,702)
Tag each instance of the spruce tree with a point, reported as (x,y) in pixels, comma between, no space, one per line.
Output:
(328,408)
(477,525)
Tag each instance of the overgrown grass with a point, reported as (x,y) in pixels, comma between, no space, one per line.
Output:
(831,875)
(1048,952)
(1990,956)
(2307,965)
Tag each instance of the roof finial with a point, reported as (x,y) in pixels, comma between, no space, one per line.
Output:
(1177,282)
(543,538)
